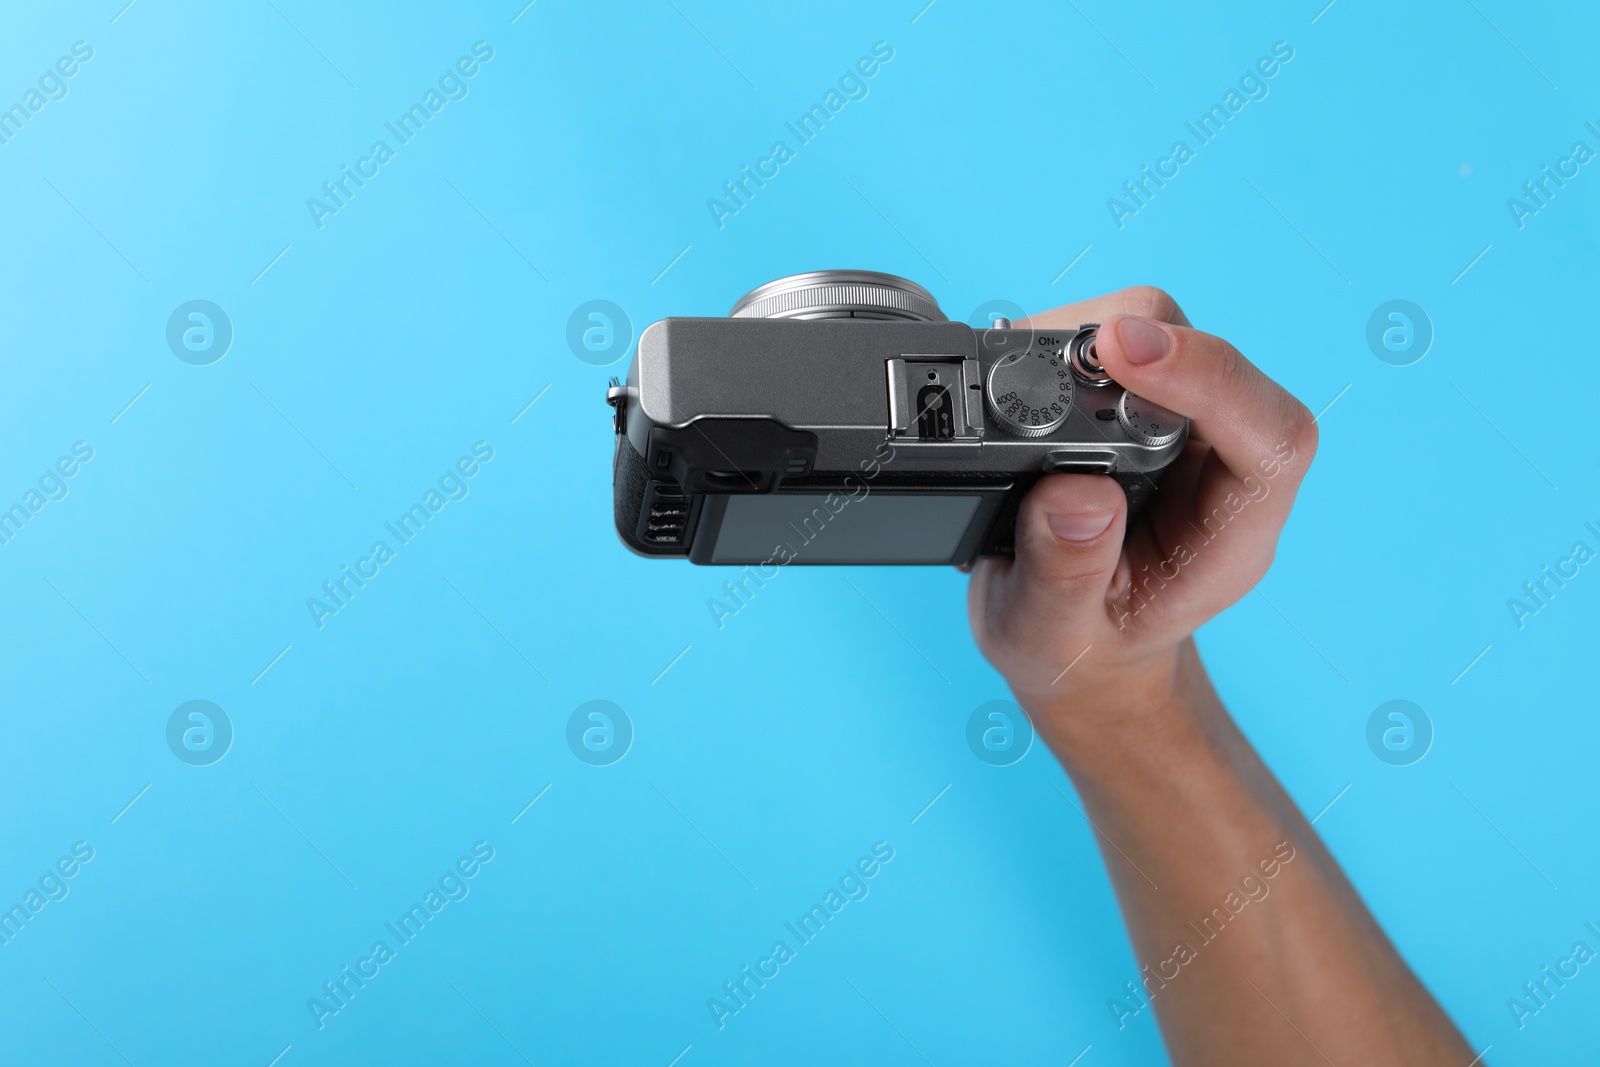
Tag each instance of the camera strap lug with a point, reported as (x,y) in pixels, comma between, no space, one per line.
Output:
(617,397)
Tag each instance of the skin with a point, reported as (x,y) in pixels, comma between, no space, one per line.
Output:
(1179,799)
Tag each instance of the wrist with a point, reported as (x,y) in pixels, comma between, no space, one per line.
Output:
(1144,711)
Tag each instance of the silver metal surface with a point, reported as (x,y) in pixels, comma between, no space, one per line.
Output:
(1078,462)
(900,417)
(909,374)
(1147,422)
(839,294)
(1085,361)
(1030,392)
(972,389)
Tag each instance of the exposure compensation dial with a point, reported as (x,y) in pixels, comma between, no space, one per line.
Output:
(1147,422)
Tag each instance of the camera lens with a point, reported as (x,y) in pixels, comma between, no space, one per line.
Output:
(839,294)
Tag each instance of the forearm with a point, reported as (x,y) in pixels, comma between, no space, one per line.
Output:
(1253,946)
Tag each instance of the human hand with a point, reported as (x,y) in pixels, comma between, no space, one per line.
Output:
(1090,617)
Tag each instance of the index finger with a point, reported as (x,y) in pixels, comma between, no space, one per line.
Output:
(1145,301)
(1247,418)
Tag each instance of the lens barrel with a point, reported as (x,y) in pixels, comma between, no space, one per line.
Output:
(839,294)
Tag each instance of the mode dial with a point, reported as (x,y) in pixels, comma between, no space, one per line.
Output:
(1030,391)
(1147,422)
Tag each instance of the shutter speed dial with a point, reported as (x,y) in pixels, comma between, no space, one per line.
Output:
(1146,422)
(1030,391)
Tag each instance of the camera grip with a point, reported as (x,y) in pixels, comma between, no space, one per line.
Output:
(629,477)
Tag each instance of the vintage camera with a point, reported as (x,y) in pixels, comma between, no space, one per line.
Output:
(838,417)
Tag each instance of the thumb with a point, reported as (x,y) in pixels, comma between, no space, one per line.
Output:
(1069,539)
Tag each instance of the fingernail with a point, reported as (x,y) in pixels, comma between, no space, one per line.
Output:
(1077,526)
(1142,342)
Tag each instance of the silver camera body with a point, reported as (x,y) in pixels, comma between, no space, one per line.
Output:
(837,417)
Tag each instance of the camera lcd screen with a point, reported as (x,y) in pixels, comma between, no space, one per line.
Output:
(880,527)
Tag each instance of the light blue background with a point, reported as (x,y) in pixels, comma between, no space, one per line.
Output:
(775,751)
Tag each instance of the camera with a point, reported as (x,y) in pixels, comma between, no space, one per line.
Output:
(837,417)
